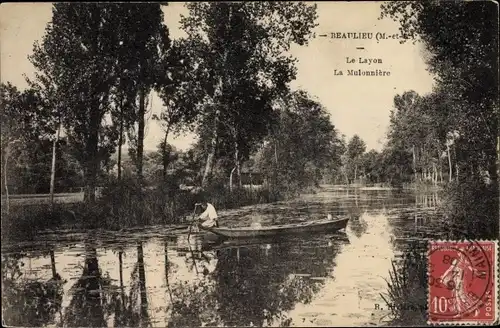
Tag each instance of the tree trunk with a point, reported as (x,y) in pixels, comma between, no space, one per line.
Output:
(53,167)
(53,264)
(449,163)
(92,164)
(6,180)
(231,179)
(355,171)
(90,183)
(440,166)
(219,91)
(434,174)
(120,143)
(276,152)
(345,175)
(414,162)
(140,134)
(165,154)
(213,148)
(120,267)
(457,171)
(237,162)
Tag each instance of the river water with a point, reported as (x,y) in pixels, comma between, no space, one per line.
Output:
(156,276)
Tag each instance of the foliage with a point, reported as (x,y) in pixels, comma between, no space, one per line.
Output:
(94,69)
(470,209)
(25,131)
(303,144)
(372,166)
(461,113)
(23,116)
(24,221)
(28,302)
(356,147)
(70,55)
(464,61)
(238,55)
(408,277)
(463,108)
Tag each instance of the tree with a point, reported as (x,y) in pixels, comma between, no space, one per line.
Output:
(238,55)
(307,143)
(77,55)
(355,149)
(463,57)
(179,92)
(462,40)
(53,106)
(372,166)
(146,42)
(100,73)
(24,122)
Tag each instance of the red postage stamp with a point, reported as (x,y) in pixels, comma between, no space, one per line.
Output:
(463,282)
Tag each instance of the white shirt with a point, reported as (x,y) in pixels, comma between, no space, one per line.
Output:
(209,213)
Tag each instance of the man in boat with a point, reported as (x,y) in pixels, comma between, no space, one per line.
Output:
(209,216)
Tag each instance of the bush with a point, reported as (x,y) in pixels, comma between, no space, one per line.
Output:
(470,208)
(23,222)
(222,197)
(126,204)
(123,203)
(408,277)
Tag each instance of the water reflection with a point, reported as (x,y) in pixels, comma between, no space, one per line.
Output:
(288,273)
(163,278)
(29,302)
(273,276)
(90,306)
(132,310)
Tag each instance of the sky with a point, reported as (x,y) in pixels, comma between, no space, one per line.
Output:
(357,104)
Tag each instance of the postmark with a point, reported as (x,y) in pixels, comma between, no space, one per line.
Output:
(462,282)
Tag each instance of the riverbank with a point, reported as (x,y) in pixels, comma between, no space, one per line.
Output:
(419,187)
(123,206)
(467,210)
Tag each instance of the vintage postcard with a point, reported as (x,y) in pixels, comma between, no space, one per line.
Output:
(237,164)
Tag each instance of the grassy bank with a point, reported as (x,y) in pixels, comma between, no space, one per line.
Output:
(468,211)
(408,276)
(125,205)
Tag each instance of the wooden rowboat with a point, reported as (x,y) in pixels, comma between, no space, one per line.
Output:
(318,226)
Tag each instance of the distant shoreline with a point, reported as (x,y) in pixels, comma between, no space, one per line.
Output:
(379,188)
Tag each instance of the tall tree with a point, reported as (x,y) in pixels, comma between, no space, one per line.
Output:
(77,54)
(372,166)
(238,51)
(24,121)
(464,60)
(98,71)
(462,40)
(53,103)
(356,147)
(180,92)
(146,40)
(308,144)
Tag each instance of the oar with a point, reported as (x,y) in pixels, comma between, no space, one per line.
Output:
(191,225)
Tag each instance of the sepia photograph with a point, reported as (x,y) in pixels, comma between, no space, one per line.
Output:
(249,163)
